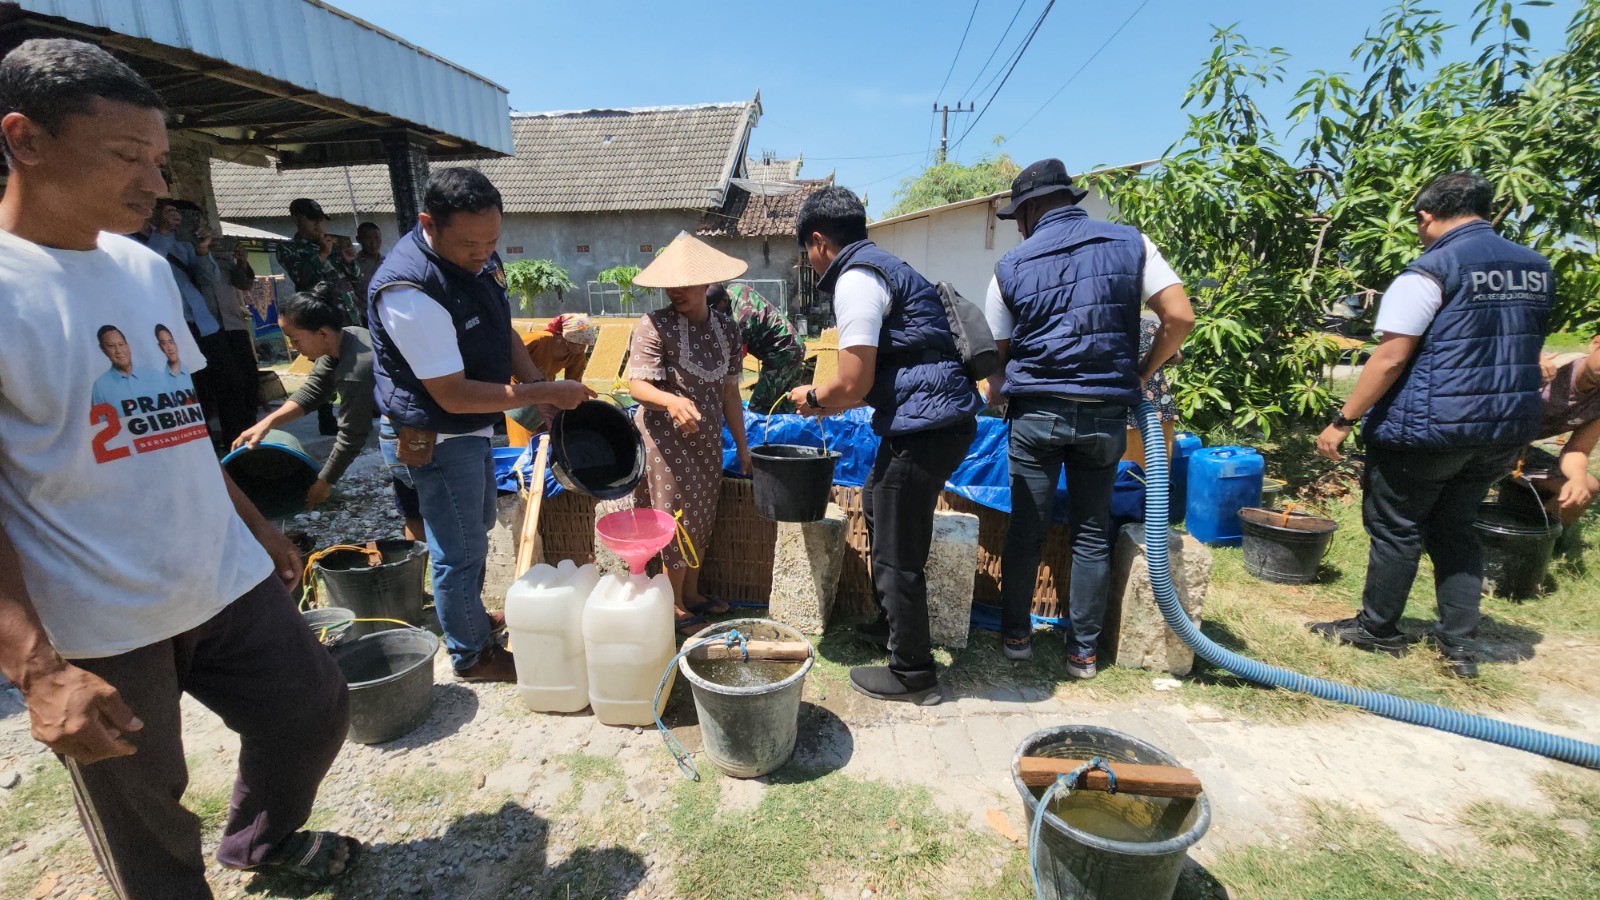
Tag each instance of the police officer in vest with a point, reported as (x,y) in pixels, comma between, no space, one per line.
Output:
(444,354)
(1064,307)
(1449,396)
(898,356)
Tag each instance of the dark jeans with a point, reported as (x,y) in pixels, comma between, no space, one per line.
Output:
(238,385)
(899,502)
(1088,439)
(259,667)
(1426,499)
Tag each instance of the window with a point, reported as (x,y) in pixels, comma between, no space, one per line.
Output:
(583,248)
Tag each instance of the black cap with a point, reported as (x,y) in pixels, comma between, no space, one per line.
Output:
(307,208)
(1047,176)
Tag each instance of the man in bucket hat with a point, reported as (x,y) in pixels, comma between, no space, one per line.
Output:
(1064,309)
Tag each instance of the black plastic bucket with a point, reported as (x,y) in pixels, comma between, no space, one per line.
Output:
(1076,863)
(792,483)
(391,682)
(1284,552)
(1516,550)
(392,590)
(596,449)
(275,475)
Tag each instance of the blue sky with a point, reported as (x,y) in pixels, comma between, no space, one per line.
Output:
(840,81)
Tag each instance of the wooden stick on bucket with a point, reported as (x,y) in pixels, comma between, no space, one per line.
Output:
(530,518)
(1146,781)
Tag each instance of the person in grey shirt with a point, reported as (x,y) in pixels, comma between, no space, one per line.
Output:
(311,321)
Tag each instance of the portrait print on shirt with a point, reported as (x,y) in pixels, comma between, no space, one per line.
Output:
(145,400)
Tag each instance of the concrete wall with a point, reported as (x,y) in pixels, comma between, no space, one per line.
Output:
(961,244)
(613,239)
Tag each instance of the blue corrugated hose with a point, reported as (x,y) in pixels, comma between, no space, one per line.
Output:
(1465,724)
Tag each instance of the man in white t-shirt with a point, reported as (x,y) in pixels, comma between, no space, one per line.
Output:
(1064,308)
(132,570)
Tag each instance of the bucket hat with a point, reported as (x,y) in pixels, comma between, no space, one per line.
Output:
(689,262)
(1047,176)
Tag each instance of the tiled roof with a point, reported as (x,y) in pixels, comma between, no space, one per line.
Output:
(599,160)
(760,213)
(773,169)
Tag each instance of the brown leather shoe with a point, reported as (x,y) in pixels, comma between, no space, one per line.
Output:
(494,664)
(497,619)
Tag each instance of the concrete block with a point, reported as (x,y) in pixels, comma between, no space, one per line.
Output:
(500,567)
(806,560)
(1135,634)
(951,573)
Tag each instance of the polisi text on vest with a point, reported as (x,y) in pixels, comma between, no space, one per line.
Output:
(1513,280)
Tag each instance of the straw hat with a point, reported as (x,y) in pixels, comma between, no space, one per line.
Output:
(689,262)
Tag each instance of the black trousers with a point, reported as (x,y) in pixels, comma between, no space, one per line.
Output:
(238,385)
(899,501)
(1415,500)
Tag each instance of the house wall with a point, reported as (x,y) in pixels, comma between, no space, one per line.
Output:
(955,244)
(613,239)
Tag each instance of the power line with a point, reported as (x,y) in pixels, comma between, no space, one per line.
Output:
(953,60)
(1017,59)
(998,44)
(1106,43)
(880,156)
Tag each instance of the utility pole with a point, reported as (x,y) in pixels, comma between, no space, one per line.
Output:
(944,126)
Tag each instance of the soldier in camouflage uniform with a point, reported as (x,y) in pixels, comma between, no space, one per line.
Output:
(768,337)
(310,258)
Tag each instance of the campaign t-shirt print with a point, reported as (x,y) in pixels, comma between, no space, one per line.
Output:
(145,400)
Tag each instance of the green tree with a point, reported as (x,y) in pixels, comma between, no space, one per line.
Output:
(1275,234)
(526,279)
(622,277)
(951,182)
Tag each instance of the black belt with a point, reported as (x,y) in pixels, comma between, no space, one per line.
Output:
(918,357)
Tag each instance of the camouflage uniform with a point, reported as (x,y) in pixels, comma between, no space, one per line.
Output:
(302,260)
(770,338)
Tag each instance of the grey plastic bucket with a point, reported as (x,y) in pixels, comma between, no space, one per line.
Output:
(275,474)
(1077,865)
(748,731)
(330,624)
(392,590)
(391,682)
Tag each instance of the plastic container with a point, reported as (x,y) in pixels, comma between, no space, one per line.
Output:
(628,641)
(1183,446)
(544,615)
(792,483)
(1222,481)
(1516,550)
(749,731)
(391,682)
(275,475)
(1271,491)
(330,624)
(1077,862)
(1285,549)
(391,590)
(596,449)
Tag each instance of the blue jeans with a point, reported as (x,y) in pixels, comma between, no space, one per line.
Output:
(456,492)
(1088,439)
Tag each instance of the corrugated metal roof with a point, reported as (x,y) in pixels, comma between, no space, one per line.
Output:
(236,230)
(317,48)
(675,157)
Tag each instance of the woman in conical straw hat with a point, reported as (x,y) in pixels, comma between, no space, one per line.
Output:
(683,369)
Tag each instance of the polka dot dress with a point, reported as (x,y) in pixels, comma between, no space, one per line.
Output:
(684,471)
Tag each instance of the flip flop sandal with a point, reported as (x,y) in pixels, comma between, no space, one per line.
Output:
(309,855)
(692,623)
(707,607)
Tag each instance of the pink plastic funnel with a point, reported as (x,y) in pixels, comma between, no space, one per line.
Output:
(636,535)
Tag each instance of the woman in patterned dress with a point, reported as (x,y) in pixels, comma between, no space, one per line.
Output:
(683,369)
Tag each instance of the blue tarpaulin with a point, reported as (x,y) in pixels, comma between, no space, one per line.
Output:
(983,477)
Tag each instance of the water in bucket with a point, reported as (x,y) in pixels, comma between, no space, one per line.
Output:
(636,535)
(740,674)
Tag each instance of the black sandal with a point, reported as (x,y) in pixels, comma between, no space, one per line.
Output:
(310,854)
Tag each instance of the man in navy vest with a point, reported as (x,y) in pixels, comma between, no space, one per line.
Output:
(444,354)
(898,356)
(1064,308)
(1449,395)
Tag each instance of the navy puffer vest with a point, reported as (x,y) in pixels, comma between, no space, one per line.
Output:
(482,316)
(1474,380)
(919,383)
(1075,289)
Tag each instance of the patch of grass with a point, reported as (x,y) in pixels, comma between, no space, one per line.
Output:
(1566,342)
(1349,854)
(587,769)
(44,795)
(809,829)
(420,786)
(211,806)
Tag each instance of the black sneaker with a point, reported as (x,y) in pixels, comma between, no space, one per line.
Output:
(881,683)
(1017,649)
(875,633)
(1463,661)
(1081,667)
(1351,631)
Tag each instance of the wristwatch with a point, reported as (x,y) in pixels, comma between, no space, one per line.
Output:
(1339,420)
(811,399)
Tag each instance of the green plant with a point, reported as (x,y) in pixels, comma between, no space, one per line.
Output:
(622,277)
(528,278)
(1268,236)
(950,182)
